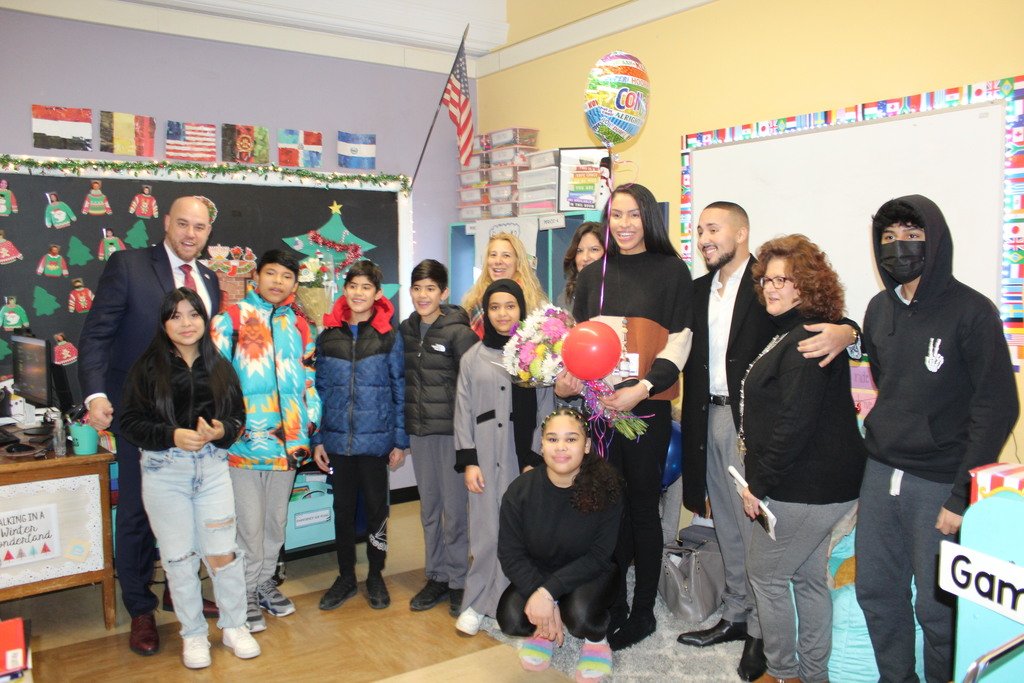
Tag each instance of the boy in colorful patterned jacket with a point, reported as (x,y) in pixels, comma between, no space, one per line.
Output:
(272,350)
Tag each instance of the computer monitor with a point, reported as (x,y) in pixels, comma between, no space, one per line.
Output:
(31,360)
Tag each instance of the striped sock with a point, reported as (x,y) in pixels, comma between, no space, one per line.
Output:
(535,653)
(595,662)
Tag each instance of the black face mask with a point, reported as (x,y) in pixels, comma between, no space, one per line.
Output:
(903,259)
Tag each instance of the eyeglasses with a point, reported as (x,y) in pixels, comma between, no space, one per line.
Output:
(777,282)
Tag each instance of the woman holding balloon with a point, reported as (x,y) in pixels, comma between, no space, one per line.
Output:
(643,292)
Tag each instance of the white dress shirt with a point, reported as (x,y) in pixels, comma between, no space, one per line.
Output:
(720,307)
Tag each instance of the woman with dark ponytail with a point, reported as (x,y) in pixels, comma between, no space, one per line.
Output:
(558,528)
(182,408)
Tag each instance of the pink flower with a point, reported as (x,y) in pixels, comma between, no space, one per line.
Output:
(553,328)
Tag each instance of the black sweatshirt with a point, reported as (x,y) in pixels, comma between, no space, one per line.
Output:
(947,399)
(800,424)
(544,542)
(142,424)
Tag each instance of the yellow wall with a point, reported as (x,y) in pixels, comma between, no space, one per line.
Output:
(739,61)
(528,18)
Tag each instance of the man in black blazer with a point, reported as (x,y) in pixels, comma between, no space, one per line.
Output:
(730,328)
(119,327)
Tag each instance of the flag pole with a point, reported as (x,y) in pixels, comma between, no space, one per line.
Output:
(437,108)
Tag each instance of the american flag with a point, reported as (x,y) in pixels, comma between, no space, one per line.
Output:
(191,141)
(456,98)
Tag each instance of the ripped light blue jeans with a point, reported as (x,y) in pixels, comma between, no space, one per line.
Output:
(191,509)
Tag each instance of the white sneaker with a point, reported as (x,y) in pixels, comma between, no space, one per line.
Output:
(241,641)
(469,621)
(195,652)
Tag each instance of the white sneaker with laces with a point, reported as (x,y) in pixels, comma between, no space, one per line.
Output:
(469,621)
(195,652)
(241,641)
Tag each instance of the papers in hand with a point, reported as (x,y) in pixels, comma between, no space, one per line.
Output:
(765,517)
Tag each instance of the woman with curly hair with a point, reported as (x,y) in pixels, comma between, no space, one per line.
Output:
(505,257)
(558,528)
(586,246)
(804,458)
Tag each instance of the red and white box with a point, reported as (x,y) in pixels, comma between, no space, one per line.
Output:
(989,480)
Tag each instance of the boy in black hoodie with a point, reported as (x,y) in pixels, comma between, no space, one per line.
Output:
(946,404)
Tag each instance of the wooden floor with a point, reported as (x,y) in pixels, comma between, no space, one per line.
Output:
(352,643)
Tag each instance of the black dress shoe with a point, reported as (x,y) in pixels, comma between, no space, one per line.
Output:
(752,662)
(210,610)
(431,595)
(722,632)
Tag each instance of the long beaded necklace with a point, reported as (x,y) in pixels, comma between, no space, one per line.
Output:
(740,444)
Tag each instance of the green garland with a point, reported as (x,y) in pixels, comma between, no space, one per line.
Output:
(197,170)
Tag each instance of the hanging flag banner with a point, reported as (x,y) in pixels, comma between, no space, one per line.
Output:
(61,128)
(244,144)
(300,148)
(130,134)
(357,150)
(191,141)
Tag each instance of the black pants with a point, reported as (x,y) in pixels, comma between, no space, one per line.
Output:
(366,474)
(136,545)
(641,463)
(584,611)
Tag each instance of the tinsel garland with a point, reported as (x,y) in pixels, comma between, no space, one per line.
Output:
(195,170)
(352,252)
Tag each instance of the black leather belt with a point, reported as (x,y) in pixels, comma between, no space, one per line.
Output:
(719,400)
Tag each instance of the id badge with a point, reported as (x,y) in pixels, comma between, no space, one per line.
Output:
(629,365)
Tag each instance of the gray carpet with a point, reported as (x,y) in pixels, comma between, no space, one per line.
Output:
(659,657)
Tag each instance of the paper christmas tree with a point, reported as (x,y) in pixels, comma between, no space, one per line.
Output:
(44,302)
(78,253)
(137,237)
(333,239)
(5,349)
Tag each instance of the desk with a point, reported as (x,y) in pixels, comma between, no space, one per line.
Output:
(50,471)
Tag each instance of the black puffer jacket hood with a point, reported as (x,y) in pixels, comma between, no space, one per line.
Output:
(938,260)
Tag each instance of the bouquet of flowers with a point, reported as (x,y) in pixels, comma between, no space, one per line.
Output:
(533,356)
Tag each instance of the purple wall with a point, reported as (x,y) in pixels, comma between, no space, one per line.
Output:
(76,64)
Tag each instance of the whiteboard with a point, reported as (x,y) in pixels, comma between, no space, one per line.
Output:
(826,183)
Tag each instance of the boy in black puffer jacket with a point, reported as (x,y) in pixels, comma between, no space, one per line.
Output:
(360,380)
(435,336)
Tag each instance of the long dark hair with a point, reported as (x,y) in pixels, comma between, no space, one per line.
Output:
(569,261)
(656,238)
(597,485)
(150,378)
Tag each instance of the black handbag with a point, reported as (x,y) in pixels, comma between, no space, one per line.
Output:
(692,574)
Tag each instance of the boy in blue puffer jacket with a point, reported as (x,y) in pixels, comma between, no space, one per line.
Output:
(360,377)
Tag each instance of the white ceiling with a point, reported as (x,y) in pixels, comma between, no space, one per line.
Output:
(414,34)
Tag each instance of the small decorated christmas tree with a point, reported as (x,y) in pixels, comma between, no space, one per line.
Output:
(44,302)
(78,253)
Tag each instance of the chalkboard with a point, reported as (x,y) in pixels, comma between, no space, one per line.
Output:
(252,213)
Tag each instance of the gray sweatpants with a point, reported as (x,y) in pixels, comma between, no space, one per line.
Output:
(443,508)
(261,510)
(732,527)
(897,542)
(799,554)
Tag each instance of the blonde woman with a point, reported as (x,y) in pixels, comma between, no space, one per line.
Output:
(505,257)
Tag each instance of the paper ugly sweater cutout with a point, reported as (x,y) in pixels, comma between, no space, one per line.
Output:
(108,245)
(64,352)
(8,202)
(12,316)
(144,204)
(52,264)
(58,214)
(8,252)
(96,203)
(80,298)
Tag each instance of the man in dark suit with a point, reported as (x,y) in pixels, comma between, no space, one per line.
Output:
(730,328)
(119,327)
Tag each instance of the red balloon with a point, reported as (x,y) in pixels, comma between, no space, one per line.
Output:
(591,350)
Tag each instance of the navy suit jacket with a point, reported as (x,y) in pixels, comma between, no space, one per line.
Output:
(124,317)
